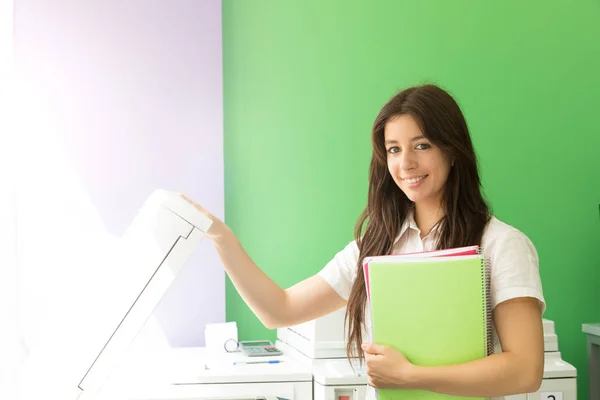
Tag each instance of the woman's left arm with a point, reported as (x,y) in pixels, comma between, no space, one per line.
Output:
(517,369)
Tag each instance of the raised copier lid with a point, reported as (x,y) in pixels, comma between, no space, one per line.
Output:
(113,308)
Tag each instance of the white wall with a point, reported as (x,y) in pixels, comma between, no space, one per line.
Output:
(9,343)
(117,98)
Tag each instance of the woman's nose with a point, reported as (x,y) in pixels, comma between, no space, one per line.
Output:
(407,161)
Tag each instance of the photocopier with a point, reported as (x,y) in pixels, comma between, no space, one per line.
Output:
(320,345)
(89,349)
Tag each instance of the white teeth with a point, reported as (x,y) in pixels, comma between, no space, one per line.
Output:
(415,180)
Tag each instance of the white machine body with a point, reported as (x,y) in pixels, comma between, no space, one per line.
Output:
(321,345)
(196,374)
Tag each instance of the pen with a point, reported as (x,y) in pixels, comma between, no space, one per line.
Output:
(258,362)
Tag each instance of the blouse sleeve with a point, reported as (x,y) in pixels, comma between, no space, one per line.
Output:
(514,269)
(340,272)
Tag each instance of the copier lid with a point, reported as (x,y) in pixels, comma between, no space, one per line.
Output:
(139,271)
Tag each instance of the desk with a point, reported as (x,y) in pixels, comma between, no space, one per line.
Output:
(592,332)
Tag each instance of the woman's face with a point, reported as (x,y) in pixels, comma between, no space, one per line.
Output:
(418,167)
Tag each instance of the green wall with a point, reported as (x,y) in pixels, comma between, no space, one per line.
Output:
(303,81)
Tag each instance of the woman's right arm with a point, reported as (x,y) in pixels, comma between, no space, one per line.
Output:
(274,306)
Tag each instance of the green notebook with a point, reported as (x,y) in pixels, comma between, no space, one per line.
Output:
(435,310)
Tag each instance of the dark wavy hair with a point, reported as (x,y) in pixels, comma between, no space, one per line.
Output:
(466,212)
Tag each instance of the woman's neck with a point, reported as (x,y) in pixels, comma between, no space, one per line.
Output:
(427,216)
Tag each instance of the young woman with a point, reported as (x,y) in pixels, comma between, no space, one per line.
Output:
(424,194)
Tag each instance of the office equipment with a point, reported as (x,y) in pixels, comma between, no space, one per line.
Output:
(592,332)
(259,348)
(150,254)
(103,361)
(560,378)
(413,297)
(195,374)
(320,345)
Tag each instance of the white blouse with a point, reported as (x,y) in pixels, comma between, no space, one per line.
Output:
(514,266)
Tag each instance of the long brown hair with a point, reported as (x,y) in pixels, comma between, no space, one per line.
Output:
(466,211)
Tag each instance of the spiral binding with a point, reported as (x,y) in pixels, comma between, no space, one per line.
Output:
(486,277)
(488,307)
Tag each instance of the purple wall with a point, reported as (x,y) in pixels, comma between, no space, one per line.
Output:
(9,340)
(132,93)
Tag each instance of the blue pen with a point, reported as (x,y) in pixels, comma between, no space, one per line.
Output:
(258,362)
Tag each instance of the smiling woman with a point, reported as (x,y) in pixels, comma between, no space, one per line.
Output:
(424,194)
